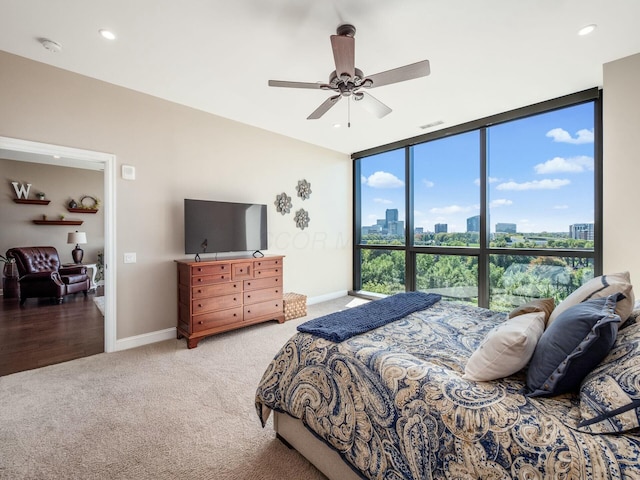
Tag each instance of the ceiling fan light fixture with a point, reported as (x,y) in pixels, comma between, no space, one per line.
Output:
(587,29)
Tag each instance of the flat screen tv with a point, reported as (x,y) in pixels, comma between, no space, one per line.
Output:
(215,227)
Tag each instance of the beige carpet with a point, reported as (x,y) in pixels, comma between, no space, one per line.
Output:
(155,412)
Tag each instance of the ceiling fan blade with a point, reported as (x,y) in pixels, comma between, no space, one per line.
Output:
(284,83)
(400,74)
(324,108)
(372,104)
(344,55)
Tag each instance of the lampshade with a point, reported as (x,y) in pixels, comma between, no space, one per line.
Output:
(77,238)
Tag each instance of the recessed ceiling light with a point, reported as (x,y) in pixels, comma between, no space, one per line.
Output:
(587,29)
(56,156)
(108,34)
(336,125)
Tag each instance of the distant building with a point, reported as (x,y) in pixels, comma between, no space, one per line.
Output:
(473,224)
(391,215)
(395,228)
(418,230)
(440,228)
(581,231)
(505,228)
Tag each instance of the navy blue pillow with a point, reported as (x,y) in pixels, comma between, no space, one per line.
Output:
(577,341)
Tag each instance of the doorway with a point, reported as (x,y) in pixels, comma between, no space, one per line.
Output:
(38,152)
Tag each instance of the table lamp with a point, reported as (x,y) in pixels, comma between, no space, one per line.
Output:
(79,238)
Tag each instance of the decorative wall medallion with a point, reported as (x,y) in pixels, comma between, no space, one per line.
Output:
(302,219)
(283,203)
(304,189)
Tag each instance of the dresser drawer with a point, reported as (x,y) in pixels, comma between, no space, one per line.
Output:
(267,264)
(216,303)
(260,283)
(241,271)
(271,307)
(267,272)
(198,270)
(217,319)
(211,279)
(204,291)
(256,296)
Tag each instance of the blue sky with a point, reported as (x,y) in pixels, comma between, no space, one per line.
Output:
(540,176)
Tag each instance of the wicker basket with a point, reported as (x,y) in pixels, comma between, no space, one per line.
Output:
(295,305)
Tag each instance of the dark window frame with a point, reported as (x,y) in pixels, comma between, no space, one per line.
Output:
(484,251)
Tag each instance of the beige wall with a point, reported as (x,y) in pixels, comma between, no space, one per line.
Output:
(621,159)
(180,152)
(60,185)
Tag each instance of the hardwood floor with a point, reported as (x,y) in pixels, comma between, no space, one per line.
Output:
(42,333)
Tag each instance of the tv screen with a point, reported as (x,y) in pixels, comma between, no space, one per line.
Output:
(212,227)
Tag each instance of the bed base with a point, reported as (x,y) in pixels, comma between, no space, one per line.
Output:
(295,435)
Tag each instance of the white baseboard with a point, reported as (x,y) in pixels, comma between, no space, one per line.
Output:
(326,297)
(145,339)
(170,333)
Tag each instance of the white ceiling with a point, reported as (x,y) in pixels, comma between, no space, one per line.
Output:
(486,56)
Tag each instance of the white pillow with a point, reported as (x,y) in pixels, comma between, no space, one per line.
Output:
(598,287)
(507,348)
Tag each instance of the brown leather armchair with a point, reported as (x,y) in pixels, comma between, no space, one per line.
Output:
(41,274)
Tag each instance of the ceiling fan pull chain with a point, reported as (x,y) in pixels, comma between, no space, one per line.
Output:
(349,112)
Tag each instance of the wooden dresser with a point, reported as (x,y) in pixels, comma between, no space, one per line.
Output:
(215,296)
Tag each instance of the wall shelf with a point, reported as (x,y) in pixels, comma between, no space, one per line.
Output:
(83,210)
(31,202)
(58,222)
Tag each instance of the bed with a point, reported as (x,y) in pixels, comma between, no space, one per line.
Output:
(409,400)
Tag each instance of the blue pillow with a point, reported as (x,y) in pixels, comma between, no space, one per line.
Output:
(572,346)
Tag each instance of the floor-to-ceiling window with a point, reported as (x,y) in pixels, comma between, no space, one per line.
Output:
(494,213)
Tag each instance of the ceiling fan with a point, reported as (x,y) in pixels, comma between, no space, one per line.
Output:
(347,80)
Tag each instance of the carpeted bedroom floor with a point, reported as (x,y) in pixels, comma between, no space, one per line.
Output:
(156,412)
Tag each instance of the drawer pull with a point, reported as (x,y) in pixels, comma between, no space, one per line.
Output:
(222,267)
(276,291)
(221,277)
(199,305)
(199,269)
(235,314)
(200,280)
(249,284)
(248,296)
(200,322)
(199,291)
(234,299)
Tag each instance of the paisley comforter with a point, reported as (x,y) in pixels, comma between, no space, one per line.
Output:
(393,404)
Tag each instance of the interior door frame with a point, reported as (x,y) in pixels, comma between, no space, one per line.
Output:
(68,156)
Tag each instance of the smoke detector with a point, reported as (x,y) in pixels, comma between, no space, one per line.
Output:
(50,45)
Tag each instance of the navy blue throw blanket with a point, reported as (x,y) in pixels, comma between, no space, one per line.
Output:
(339,326)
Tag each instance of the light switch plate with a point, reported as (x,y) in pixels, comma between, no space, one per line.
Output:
(128,172)
(129,258)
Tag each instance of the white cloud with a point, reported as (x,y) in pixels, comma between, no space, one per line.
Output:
(384,180)
(560,207)
(448,210)
(565,165)
(561,135)
(428,183)
(546,184)
(383,201)
(491,180)
(500,202)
